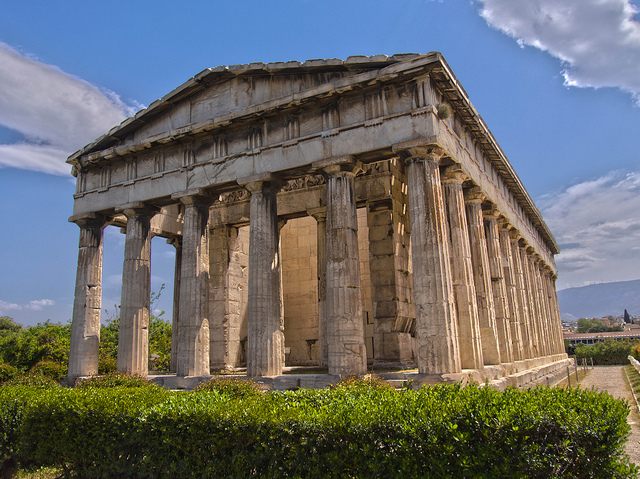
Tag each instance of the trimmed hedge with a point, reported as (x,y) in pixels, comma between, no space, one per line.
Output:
(607,352)
(356,429)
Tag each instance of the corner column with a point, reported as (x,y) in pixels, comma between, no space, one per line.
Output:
(482,276)
(436,321)
(133,335)
(85,326)
(193,323)
(265,319)
(345,330)
(462,271)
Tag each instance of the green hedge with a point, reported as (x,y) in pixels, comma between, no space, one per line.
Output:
(607,352)
(354,430)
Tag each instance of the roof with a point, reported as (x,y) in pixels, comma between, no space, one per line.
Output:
(386,69)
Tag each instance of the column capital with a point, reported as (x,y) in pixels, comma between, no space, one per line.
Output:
(90,220)
(346,164)
(454,174)
(473,195)
(131,210)
(261,182)
(491,213)
(175,241)
(195,197)
(514,235)
(319,214)
(503,224)
(421,153)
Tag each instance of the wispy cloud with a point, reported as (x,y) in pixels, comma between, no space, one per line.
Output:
(56,112)
(35,305)
(598,41)
(597,224)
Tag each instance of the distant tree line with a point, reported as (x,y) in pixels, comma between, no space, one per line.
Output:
(596,326)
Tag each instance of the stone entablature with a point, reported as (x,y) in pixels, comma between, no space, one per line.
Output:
(184,151)
(458,270)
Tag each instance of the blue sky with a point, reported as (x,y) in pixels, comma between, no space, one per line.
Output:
(557,82)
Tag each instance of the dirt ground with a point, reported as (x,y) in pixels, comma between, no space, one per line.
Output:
(612,379)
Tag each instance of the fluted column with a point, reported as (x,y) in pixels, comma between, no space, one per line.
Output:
(553,295)
(534,315)
(545,315)
(85,326)
(175,317)
(345,330)
(482,277)
(462,271)
(133,333)
(265,319)
(436,321)
(193,322)
(498,285)
(320,215)
(515,318)
(523,297)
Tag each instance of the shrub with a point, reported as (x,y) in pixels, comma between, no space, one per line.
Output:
(50,369)
(236,388)
(116,379)
(356,429)
(7,372)
(107,365)
(607,352)
(33,380)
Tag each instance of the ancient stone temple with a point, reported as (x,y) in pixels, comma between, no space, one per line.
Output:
(338,214)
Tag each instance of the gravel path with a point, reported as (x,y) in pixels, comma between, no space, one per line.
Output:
(612,379)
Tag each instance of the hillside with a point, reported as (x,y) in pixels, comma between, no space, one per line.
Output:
(598,300)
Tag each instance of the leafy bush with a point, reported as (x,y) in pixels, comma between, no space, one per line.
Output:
(50,369)
(356,429)
(7,372)
(607,352)
(236,388)
(33,380)
(107,365)
(116,379)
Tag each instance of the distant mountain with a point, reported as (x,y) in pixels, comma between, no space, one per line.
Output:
(598,300)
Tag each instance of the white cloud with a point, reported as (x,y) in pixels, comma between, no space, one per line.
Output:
(57,113)
(597,225)
(597,41)
(35,305)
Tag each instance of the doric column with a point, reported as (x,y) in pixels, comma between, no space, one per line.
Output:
(345,331)
(320,215)
(462,271)
(436,322)
(555,308)
(482,276)
(545,325)
(515,318)
(85,326)
(193,322)
(133,335)
(534,316)
(175,317)
(265,319)
(390,282)
(523,297)
(498,285)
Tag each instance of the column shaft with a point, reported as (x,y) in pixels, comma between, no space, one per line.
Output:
(345,330)
(175,318)
(193,327)
(85,326)
(533,308)
(133,335)
(462,274)
(482,278)
(515,318)
(436,322)
(499,287)
(321,257)
(265,320)
(523,298)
